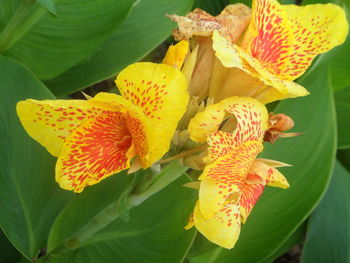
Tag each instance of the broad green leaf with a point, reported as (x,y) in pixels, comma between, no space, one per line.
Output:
(154,233)
(50,45)
(293,240)
(328,235)
(49,5)
(30,199)
(338,59)
(144,29)
(8,253)
(343,156)
(280,212)
(342,104)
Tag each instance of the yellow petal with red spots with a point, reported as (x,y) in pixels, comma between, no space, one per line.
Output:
(269,38)
(270,174)
(269,86)
(249,196)
(223,228)
(190,222)
(100,147)
(213,195)
(251,121)
(225,176)
(49,122)
(154,88)
(206,122)
(176,54)
(317,28)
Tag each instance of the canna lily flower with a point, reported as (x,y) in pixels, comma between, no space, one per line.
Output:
(234,178)
(101,136)
(278,46)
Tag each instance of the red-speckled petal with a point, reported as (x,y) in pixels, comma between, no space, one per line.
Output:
(270,35)
(317,29)
(226,176)
(213,195)
(49,122)
(97,149)
(160,91)
(270,174)
(249,197)
(223,228)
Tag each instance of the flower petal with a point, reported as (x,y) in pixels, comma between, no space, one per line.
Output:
(317,28)
(225,176)
(49,122)
(270,174)
(270,87)
(251,117)
(154,88)
(176,54)
(223,228)
(98,148)
(269,38)
(213,195)
(206,122)
(249,197)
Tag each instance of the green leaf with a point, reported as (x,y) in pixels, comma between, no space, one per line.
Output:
(141,32)
(154,233)
(30,198)
(342,104)
(212,7)
(280,212)
(328,235)
(50,45)
(8,252)
(49,5)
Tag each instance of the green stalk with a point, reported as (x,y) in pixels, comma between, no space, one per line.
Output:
(169,174)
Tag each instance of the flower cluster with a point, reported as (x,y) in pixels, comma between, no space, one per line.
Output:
(210,91)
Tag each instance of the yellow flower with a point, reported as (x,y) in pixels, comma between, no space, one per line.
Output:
(279,45)
(234,178)
(96,138)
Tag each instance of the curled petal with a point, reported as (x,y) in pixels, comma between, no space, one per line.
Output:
(249,197)
(206,122)
(251,121)
(270,174)
(223,228)
(154,88)
(50,121)
(176,54)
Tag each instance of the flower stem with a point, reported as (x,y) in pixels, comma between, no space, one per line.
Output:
(184,154)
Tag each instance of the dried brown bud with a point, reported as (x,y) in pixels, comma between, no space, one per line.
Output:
(280,122)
